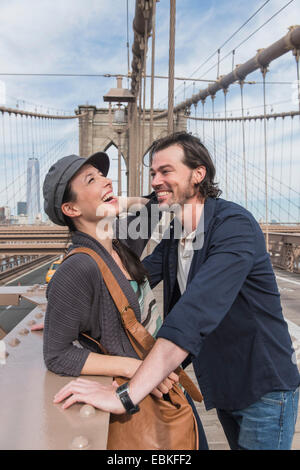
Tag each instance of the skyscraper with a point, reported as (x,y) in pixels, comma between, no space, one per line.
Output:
(33,189)
(22,208)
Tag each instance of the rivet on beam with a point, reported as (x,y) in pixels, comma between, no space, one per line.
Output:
(87,411)
(14,342)
(79,443)
(24,332)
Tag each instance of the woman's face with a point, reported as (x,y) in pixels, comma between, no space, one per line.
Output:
(94,196)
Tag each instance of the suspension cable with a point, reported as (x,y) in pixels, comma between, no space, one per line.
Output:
(127,43)
(144,103)
(171,66)
(226,146)
(203,132)
(244,146)
(231,37)
(214,135)
(248,37)
(291,159)
(264,71)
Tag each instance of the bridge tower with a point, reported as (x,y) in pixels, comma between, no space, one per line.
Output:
(97,132)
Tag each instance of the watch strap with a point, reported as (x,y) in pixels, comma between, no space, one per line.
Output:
(122,392)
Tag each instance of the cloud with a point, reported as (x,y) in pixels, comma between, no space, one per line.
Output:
(203,31)
(61,37)
(90,37)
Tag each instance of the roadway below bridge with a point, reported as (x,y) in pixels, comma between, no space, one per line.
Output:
(283,242)
(11,315)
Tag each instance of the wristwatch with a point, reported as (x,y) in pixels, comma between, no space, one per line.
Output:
(122,393)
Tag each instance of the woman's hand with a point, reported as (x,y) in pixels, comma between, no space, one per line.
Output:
(37,327)
(92,393)
(103,397)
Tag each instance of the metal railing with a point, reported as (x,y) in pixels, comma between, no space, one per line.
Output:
(284,251)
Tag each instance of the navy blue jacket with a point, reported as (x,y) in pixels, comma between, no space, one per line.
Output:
(229,318)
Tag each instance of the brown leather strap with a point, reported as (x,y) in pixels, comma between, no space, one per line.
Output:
(141,340)
(102,348)
(137,331)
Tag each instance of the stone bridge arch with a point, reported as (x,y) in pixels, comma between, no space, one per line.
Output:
(97,133)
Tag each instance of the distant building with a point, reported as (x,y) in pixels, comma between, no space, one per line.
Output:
(33,190)
(21,219)
(5,214)
(22,208)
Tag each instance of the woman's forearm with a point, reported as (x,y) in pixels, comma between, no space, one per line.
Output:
(112,366)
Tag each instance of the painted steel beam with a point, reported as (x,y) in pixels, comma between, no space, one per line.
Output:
(29,419)
(261,60)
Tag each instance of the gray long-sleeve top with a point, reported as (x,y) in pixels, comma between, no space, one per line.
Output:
(79,301)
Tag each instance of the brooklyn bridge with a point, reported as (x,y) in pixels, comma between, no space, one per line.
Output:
(247,113)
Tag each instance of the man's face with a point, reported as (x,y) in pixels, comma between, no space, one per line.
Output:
(172,180)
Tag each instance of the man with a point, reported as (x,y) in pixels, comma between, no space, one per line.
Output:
(222,308)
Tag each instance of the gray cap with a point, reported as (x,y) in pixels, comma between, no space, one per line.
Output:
(59,175)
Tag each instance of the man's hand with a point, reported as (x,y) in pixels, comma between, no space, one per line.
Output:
(165,386)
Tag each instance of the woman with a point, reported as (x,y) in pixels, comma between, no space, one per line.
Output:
(76,191)
(78,194)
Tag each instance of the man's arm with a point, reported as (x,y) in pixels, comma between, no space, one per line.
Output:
(165,354)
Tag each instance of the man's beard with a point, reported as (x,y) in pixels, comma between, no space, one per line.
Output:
(189,191)
(182,197)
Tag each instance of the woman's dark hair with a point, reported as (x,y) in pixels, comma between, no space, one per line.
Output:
(195,154)
(130,260)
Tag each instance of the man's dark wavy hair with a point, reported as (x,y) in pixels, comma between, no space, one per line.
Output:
(195,154)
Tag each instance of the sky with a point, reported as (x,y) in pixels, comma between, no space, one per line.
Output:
(43,36)
(90,37)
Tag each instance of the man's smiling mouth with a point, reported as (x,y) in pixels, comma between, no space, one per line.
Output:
(162,193)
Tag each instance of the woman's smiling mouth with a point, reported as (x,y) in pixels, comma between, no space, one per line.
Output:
(109,197)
